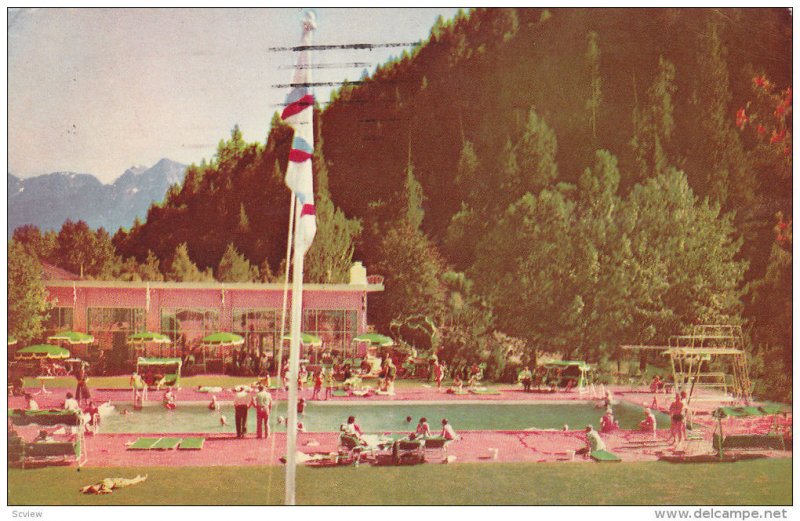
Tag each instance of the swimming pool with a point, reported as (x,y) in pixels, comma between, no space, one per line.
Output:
(377,417)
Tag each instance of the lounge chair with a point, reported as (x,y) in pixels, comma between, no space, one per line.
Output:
(352,449)
(408,452)
(437,445)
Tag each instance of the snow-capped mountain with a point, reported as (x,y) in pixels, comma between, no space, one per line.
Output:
(48,200)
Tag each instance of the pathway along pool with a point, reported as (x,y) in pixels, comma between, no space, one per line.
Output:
(378,417)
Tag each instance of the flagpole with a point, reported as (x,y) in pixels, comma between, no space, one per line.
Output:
(289,235)
(294,363)
(301,184)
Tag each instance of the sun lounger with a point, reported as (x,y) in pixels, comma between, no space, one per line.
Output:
(166,444)
(437,444)
(143,444)
(603,456)
(191,444)
(751,441)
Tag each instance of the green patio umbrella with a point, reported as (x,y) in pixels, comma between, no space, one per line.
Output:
(73,337)
(375,339)
(223,339)
(307,339)
(146,336)
(43,351)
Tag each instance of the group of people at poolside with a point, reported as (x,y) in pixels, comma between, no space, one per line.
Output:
(422,430)
(89,410)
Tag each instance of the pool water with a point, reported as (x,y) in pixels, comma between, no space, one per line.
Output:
(377,417)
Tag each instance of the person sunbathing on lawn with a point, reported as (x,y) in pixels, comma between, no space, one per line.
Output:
(108,485)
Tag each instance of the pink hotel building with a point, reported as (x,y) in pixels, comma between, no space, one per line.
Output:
(188,311)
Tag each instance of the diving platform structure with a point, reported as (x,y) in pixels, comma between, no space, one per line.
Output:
(692,355)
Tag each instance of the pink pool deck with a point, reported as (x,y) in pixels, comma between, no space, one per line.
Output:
(110,450)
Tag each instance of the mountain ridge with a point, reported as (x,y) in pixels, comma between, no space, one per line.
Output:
(47,200)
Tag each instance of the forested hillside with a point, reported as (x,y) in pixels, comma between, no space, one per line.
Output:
(577,179)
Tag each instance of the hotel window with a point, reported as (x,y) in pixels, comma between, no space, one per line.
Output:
(189,324)
(111,326)
(59,319)
(335,327)
(261,328)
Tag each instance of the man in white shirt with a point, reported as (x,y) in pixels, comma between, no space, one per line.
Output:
(241,402)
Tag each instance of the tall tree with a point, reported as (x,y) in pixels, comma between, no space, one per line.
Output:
(182,269)
(234,267)
(595,80)
(414,197)
(653,124)
(27,296)
(331,254)
(536,155)
(718,157)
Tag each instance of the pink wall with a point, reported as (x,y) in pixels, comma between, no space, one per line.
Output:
(176,297)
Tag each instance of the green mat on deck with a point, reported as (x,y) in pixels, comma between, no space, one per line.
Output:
(483,391)
(603,456)
(166,444)
(191,444)
(143,443)
(340,393)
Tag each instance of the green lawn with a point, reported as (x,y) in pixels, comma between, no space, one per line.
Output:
(759,482)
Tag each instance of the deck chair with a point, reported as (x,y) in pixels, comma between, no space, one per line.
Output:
(408,452)
(352,449)
(436,446)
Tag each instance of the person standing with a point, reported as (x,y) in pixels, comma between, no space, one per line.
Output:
(263,403)
(317,384)
(82,389)
(677,414)
(526,377)
(241,402)
(438,373)
(329,384)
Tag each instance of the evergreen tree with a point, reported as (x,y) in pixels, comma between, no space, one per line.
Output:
(27,296)
(412,269)
(244,222)
(595,81)
(331,254)
(234,267)
(414,197)
(182,269)
(536,154)
(718,161)
(653,124)
(150,270)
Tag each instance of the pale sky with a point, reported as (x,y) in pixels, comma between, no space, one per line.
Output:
(100,90)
